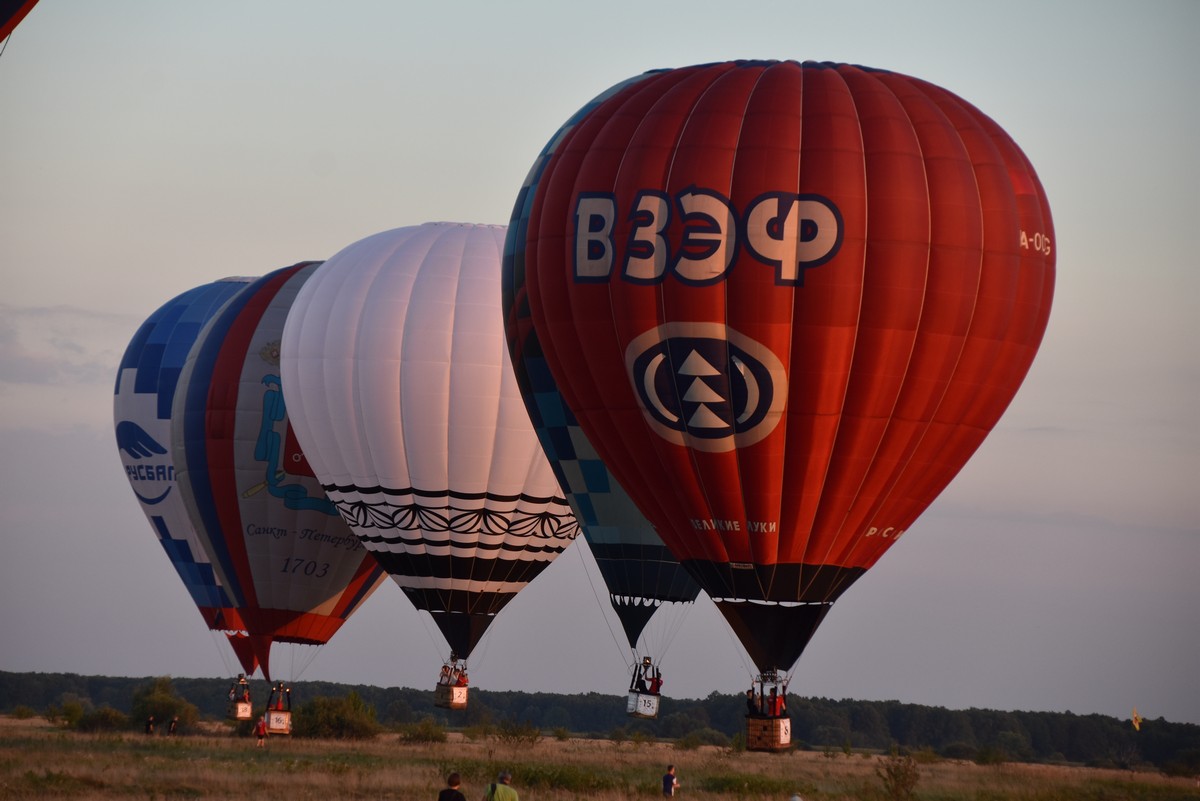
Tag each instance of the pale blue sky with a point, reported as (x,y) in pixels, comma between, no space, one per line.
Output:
(146,148)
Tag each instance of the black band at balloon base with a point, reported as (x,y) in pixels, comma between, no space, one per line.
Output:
(774,635)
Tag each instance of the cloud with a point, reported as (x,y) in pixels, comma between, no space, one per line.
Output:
(61,344)
(58,364)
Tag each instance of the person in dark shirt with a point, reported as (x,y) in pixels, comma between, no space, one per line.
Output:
(669,782)
(452,791)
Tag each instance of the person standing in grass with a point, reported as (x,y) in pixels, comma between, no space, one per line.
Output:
(502,789)
(670,783)
(452,791)
(260,731)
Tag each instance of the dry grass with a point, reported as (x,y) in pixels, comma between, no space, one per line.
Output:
(38,761)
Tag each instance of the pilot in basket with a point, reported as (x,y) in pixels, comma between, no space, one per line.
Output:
(239,707)
(451,690)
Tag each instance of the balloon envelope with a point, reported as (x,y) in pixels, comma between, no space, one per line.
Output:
(292,566)
(786,302)
(639,571)
(400,383)
(145,390)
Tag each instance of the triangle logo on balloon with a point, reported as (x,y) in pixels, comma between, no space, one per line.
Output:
(706,386)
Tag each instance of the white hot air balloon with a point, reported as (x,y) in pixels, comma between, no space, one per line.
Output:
(401,392)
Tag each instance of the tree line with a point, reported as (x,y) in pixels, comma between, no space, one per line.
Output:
(818,723)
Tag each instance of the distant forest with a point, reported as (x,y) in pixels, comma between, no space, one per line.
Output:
(817,723)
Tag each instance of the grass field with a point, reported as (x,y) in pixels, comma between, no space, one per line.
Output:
(40,761)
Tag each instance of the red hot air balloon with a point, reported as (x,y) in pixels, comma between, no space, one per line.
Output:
(786,303)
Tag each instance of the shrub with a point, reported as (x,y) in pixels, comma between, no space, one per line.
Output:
(348,718)
(899,775)
(160,699)
(704,736)
(478,732)
(425,730)
(72,713)
(22,712)
(513,733)
(67,712)
(103,718)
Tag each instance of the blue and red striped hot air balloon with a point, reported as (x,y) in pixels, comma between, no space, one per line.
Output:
(293,568)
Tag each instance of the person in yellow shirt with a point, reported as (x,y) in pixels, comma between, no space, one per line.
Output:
(502,789)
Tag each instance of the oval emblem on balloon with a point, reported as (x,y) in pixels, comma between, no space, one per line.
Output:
(706,386)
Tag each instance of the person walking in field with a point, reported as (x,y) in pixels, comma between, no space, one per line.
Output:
(452,791)
(501,790)
(260,731)
(669,782)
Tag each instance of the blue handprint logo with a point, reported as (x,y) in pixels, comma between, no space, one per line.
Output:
(135,441)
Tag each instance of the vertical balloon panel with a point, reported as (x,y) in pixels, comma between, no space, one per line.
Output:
(145,390)
(638,570)
(278,542)
(785,302)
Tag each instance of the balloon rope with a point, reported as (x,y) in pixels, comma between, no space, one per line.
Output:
(740,650)
(480,650)
(437,641)
(223,649)
(632,659)
(674,613)
(306,658)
